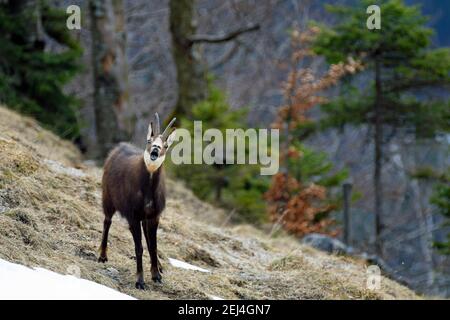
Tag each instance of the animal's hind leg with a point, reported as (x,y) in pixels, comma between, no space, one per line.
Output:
(150,227)
(106,225)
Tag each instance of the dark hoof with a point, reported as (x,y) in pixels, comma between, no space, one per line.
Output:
(102,259)
(157,278)
(140,285)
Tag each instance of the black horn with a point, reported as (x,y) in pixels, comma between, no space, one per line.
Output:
(157,125)
(167,130)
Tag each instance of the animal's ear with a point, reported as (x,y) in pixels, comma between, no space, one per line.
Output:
(150,131)
(171,138)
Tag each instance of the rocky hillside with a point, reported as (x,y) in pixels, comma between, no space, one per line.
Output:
(50,216)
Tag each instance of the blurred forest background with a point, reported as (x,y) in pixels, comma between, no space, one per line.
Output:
(364,109)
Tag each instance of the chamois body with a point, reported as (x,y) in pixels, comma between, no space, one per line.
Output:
(133,185)
(129,188)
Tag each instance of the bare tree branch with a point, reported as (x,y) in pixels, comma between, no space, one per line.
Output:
(225,57)
(206,38)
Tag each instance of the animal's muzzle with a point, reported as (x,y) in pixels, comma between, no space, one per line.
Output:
(154,154)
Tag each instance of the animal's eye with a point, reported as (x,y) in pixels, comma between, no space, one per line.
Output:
(149,141)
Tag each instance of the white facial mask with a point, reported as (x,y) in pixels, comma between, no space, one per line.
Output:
(151,165)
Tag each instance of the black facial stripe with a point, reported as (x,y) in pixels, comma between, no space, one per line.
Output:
(157,147)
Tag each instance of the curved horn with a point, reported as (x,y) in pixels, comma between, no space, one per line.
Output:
(157,124)
(166,131)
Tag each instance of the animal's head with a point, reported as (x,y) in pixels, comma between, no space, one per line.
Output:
(157,144)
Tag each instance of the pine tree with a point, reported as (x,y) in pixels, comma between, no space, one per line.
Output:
(399,62)
(32,78)
(298,197)
(238,187)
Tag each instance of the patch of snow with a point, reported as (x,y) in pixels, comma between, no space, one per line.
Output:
(20,282)
(184,265)
(59,168)
(212,297)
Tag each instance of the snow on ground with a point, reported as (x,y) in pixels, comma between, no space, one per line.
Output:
(184,265)
(212,297)
(20,282)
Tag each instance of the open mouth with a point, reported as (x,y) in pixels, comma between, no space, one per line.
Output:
(154,155)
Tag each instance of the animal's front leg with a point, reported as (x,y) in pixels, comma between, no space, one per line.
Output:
(150,229)
(135,229)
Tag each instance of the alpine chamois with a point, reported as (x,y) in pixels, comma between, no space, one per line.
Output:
(133,184)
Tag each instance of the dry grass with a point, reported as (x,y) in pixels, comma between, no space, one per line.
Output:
(50,216)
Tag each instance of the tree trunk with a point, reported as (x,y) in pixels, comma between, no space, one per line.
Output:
(424,215)
(191,76)
(347,189)
(110,74)
(378,202)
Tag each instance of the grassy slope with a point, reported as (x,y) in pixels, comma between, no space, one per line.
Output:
(50,216)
